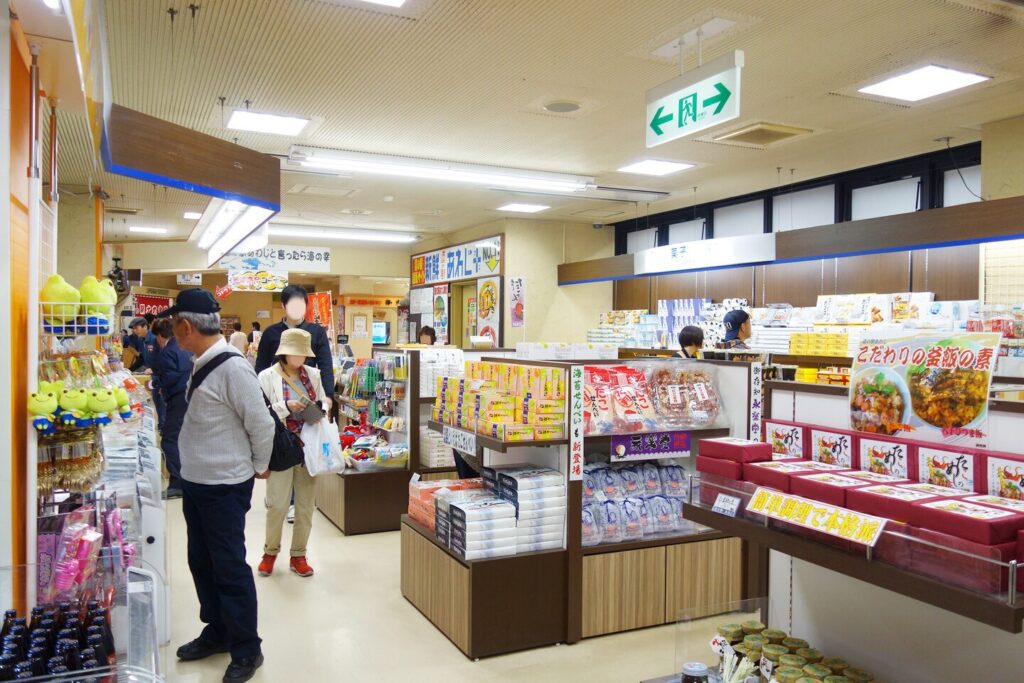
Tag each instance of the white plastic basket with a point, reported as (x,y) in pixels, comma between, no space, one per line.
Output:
(77,319)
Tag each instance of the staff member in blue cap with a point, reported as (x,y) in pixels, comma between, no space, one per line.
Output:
(737,330)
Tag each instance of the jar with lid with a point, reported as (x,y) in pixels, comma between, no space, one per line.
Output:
(695,672)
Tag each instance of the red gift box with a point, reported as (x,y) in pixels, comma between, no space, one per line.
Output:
(970,521)
(886,500)
(737,450)
(887,456)
(937,559)
(787,439)
(951,467)
(722,468)
(835,446)
(873,478)
(1003,475)
(775,474)
(827,487)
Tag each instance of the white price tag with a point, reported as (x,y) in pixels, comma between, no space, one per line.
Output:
(675,396)
(767,667)
(702,391)
(718,644)
(726,505)
(459,439)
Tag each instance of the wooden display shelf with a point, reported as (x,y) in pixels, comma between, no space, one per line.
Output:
(808,359)
(364,502)
(485,607)
(435,470)
(922,588)
(655,542)
(483,441)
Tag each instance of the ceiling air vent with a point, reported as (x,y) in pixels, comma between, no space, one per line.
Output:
(760,134)
(322,191)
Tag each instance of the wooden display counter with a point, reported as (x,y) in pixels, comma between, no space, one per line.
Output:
(364,502)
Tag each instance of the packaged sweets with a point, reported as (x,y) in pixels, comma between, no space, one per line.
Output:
(858,675)
(651,478)
(817,671)
(663,519)
(731,632)
(609,483)
(635,510)
(611,522)
(673,481)
(792,661)
(591,492)
(752,627)
(686,397)
(632,480)
(774,636)
(811,655)
(836,664)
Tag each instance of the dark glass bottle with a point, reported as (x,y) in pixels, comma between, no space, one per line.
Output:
(53,662)
(96,643)
(49,624)
(37,655)
(37,616)
(9,617)
(68,649)
(22,667)
(103,621)
(7,663)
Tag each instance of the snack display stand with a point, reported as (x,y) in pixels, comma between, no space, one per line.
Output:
(493,606)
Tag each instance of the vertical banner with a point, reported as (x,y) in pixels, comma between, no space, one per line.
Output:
(440,310)
(576,423)
(756,401)
(517,300)
(488,308)
(320,311)
(932,387)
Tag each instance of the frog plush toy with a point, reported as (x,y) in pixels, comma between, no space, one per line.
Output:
(96,305)
(124,404)
(60,304)
(102,405)
(43,406)
(75,404)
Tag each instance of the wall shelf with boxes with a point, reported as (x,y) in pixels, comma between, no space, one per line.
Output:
(663,565)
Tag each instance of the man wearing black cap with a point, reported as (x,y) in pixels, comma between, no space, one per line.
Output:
(737,330)
(226,440)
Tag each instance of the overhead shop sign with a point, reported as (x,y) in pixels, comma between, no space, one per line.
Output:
(466,261)
(695,101)
(722,252)
(282,258)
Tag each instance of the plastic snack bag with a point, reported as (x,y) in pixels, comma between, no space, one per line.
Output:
(591,490)
(663,519)
(673,481)
(611,522)
(598,391)
(632,480)
(632,525)
(636,509)
(651,479)
(591,525)
(609,484)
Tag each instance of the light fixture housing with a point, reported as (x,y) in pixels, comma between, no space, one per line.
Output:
(325,232)
(922,83)
(523,208)
(225,224)
(386,3)
(274,124)
(429,169)
(655,167)
(253,242)
(192,215)
(147,230)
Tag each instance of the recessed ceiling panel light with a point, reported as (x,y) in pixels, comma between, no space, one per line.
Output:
(562,106)
(331,233)
(920,84)
(523,208)
(147,230)
(243,119)
(192,215)
(655,167)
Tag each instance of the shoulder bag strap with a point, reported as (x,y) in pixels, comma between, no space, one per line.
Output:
(202,373)
(297,387)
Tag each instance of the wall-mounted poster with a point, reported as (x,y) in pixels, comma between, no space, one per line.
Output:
(488,308)
(440,311)
(517,300)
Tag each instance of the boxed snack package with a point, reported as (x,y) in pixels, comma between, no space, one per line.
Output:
(424,490)
(723,468)
(998,502)
(1004,475)
(542,516)
(775,474)
(886,500)
(539,546)
(826,487)
(875,478)
(970,521)
(933,490)
(787,439)
(479,510)
(736,450)
(885,456)
(490,474)
(538,477)
(496,536)
(834,446)
(951,468)
(825,466)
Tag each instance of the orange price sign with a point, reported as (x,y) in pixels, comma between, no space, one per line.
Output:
(811,514)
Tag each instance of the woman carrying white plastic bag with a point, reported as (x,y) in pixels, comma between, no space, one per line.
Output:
(322,445)
(296,394)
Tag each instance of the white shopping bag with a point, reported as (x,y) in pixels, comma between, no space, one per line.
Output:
(322,448)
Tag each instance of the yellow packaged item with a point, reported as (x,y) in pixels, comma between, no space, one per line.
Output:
(549,432)
(517,432)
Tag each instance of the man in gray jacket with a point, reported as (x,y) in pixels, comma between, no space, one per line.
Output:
(226,440)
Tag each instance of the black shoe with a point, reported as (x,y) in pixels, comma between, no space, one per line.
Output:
(241,670)
(170,494)
(200,649)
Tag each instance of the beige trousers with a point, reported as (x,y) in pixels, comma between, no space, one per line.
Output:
(279,496)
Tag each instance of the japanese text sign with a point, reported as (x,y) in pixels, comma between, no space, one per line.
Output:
(282,258)
(481,258)
(459,439)
(576,423)
(810,514)
(933,387)
(650,445)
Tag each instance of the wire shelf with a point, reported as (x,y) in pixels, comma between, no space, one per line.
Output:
(77,319)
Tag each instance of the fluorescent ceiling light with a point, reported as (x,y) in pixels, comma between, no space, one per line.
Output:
(386,3)
(147,230)
(655,167)
(920,84)
(225,224)
(243,119)
(348,234)
(409,167)
(192,215)
(523,208)
(253,242)
(55,4)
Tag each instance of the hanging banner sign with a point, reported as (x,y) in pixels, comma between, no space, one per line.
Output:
(517,300)
(932,387)
(247,280)
(144,304)
(466,261)
(695,101)
(576,423)
(281,257)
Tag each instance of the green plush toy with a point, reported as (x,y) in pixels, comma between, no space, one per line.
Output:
(97,306)
(43,406)
(102,405)
(57,291)
(75,404)
(124,403)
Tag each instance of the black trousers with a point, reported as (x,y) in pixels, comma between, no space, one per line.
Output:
(463,468)
(161,408)
(176,407)
(215,519)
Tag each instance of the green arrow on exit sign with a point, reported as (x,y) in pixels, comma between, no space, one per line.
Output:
(695,101)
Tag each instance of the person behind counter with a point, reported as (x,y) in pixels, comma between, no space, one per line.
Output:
(691,339)
(428,336)
(737,330)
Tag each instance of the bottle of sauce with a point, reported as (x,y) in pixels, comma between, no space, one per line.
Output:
(695,672)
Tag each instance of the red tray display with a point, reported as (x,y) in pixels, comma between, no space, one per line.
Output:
(886,500)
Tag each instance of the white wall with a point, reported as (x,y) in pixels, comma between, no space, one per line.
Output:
(689,231)
(639,240)
(953,190)
(804,209)
(740,219)
(885,199)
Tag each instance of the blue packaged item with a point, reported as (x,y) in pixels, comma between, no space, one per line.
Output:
(663,516)
(591,525)
(673,481)
(636,518)
(611,522)
(609,483)
(632,480)
(651,479)
(590,486)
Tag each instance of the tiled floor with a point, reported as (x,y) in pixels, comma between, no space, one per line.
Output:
(351,623)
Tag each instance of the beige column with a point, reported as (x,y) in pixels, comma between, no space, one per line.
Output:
(1002,158)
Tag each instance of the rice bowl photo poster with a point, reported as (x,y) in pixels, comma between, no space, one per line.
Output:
(932,387)
(488,308)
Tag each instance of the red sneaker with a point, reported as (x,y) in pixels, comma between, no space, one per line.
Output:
(266,567)
(301,567)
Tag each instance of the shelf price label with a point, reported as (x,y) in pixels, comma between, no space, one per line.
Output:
(810,514)
(459,439)
(576,424)
(726,505)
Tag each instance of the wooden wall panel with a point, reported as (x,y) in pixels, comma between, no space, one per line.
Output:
(953,273)
(678,286)
(700,577)
(437,585)
(798,284)
(623,591)
(728,284)
(874,273)
(631,294)
(330,498)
